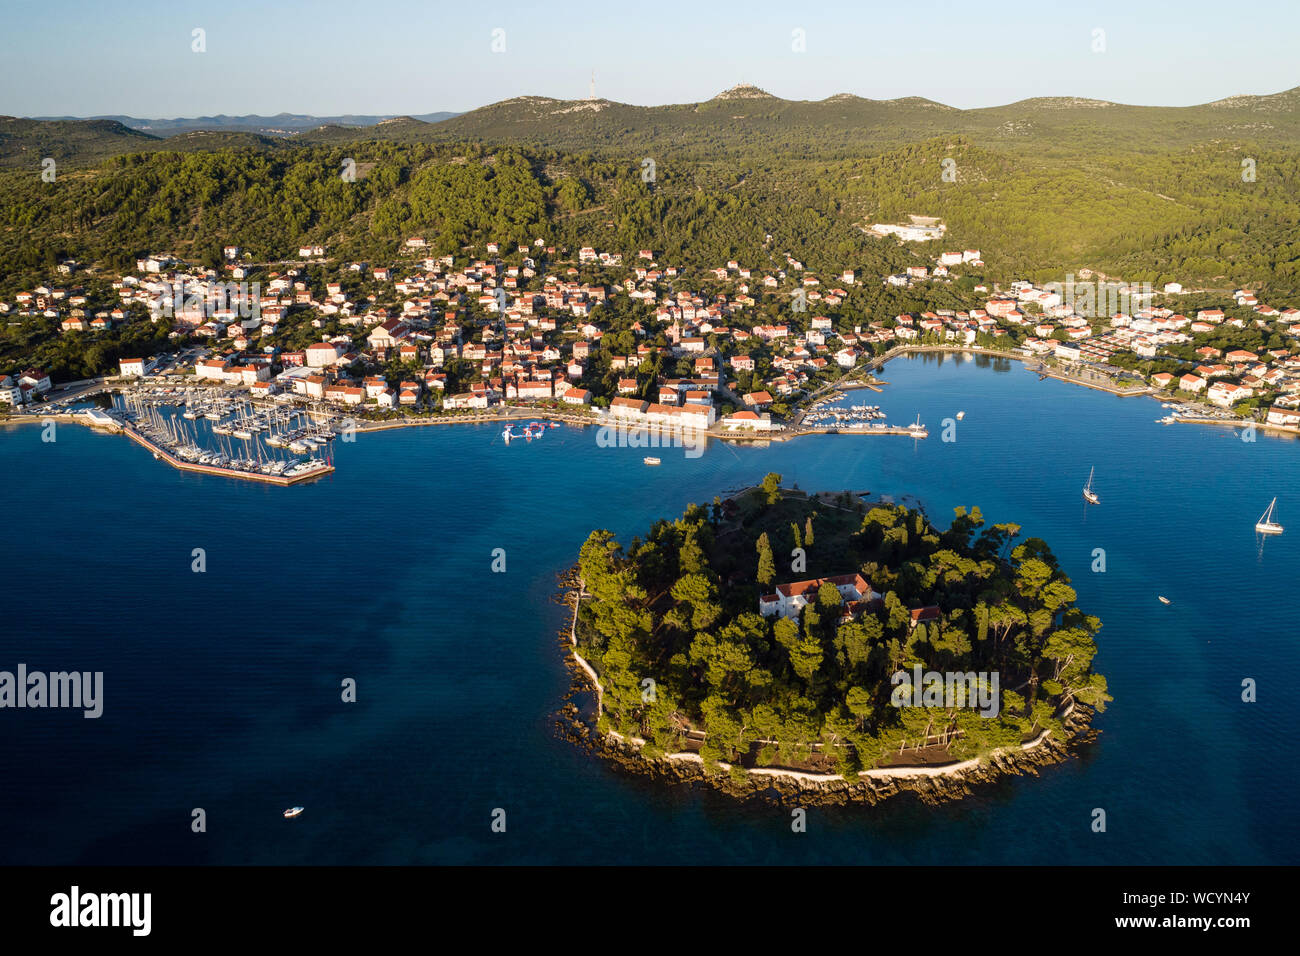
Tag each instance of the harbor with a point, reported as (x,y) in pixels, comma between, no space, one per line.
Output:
(824,414)
(204,431)
(288,476)
(826,417)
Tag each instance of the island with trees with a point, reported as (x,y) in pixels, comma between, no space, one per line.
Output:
(828,646)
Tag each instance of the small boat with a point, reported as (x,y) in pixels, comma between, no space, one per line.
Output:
(292,812)
(1089,495)
(960,416)
(650,461)
(1163,599)
(1266,524)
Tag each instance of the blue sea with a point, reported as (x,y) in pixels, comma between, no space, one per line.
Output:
(222,689)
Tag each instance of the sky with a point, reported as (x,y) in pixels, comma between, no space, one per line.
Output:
(393,57)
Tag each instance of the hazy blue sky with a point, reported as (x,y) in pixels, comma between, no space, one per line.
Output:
(82,58)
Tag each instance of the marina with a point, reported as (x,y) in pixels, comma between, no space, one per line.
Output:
(225,436)
(824,414)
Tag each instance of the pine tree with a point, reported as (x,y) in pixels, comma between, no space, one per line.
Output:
(766,564)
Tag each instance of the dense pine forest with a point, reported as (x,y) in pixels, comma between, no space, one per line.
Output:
(672,625)
(1208,196)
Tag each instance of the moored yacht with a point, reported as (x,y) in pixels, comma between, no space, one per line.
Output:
(1266,524)
(1089,495)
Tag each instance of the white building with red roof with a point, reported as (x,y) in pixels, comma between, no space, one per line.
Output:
(322,354)
(790,599)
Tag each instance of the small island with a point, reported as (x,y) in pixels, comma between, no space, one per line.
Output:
(830,648)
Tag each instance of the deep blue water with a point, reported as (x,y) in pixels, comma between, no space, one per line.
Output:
(222,689)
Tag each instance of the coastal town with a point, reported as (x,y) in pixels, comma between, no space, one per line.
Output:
(535,330)
(649,439)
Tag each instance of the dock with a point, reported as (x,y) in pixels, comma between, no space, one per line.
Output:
(840,430)
(163,454)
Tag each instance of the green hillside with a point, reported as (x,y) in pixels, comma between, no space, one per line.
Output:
(1042,187)
(745,120)
(25,142)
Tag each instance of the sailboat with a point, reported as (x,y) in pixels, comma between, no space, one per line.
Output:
(1266,524)
(1089,495)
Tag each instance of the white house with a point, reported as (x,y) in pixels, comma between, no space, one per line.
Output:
(466,400)
(10,394)
(1225,394)
(322,354)
(790,599)
(36,380)
(748,420)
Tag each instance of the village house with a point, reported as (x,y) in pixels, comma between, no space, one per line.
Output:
(1278,415)
(322,355)
(1226,394)
(748,420)
(922,615)
(466,400)
(789,599)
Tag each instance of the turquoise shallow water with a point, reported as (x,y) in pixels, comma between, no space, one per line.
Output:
(222,688)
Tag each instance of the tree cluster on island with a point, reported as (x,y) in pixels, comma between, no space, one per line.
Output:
(671,623)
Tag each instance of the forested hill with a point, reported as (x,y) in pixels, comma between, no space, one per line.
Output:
(1207,196)
(26,142)
(281,124)
(746,119)
(743,120)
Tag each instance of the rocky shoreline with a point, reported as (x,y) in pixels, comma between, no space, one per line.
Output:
(931,785)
